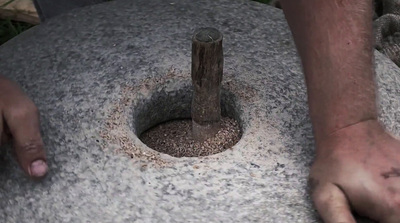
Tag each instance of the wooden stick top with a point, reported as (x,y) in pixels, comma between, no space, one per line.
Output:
(207,35)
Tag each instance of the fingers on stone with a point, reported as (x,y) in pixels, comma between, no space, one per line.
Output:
(23,122)
(332,204)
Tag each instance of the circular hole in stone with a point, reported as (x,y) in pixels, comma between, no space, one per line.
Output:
(162,122)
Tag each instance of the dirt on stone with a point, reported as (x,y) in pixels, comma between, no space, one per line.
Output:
(175,138)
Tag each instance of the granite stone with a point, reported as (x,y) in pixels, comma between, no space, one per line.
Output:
(103,74)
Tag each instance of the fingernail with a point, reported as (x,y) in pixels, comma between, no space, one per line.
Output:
(38,168)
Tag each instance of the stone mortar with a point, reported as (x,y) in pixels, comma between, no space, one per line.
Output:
(91,73)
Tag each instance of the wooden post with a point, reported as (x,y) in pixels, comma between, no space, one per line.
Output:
(207,69)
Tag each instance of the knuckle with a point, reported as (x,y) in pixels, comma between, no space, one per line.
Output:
(32,147)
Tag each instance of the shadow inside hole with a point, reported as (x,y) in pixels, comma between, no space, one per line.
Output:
(175,104)
(163,106)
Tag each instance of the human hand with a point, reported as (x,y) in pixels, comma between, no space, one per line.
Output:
(19,122)
(357,168)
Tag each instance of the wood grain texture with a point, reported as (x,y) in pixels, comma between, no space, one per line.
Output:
(207,70)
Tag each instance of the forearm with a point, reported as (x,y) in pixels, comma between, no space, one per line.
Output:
(334,41)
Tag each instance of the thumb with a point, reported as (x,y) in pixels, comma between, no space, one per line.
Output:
(23,123)
(332,204)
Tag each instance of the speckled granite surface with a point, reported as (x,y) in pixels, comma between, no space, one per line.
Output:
(101,74)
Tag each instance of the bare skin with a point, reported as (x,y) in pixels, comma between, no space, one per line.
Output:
(357,163)
(19,122)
